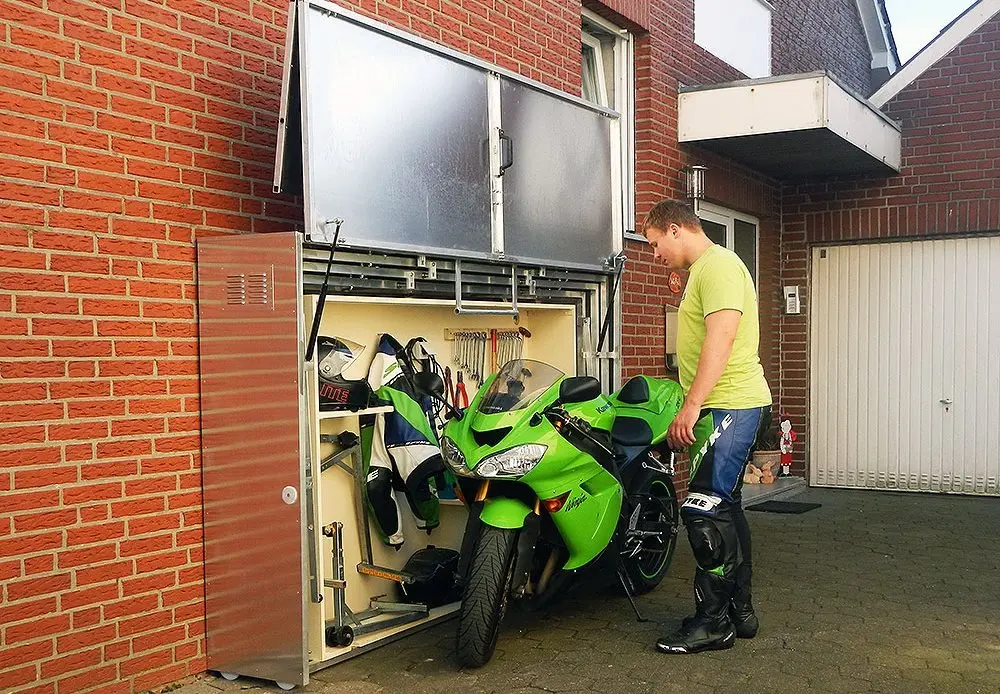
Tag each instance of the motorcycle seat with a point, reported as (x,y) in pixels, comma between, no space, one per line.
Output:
(631,431)
(635,391)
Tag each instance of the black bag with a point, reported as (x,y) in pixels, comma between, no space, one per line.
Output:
(434,574)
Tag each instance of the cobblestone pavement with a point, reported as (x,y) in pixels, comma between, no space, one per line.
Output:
(872,592)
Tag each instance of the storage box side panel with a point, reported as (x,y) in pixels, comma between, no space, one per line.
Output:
(250,373)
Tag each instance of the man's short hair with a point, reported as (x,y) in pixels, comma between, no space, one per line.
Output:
(669,212)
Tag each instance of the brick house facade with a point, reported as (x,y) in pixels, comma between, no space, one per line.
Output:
(128,128)
(949,185)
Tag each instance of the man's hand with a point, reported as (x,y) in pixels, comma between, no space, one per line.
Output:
(680,435)
(720,332)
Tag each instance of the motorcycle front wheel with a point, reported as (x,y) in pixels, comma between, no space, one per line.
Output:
(484,598)
(651,549)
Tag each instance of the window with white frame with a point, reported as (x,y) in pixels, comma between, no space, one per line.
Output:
(608,79)
(736,31)
(739,233)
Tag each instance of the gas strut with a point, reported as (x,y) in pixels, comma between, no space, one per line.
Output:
(321,301)
(620,259)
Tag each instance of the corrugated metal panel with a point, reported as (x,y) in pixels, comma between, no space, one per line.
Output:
(905,366)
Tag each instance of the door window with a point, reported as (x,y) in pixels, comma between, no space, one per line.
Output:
(735,231)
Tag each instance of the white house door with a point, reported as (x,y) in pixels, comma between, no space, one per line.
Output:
(905,366)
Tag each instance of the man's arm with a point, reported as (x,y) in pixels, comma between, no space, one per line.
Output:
(720,333)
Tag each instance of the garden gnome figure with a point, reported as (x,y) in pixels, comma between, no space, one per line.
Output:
(788,437)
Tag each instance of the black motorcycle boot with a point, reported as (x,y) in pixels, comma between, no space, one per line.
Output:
(744,619)
(741,606)
(710,629)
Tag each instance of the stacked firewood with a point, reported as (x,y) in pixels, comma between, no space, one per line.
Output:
(760,475)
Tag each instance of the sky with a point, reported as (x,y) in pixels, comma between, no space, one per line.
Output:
(917,22)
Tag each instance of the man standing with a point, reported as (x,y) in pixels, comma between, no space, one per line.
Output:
(726,404)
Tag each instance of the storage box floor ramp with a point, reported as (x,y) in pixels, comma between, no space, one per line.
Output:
(462,209)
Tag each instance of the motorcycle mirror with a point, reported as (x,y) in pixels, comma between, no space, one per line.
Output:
(430,383)
(579,389)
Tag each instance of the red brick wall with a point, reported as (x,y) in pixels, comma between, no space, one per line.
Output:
(949,183)
(810,35)
(128,128)
(540,40)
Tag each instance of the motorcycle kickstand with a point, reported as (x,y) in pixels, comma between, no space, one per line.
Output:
(628,594)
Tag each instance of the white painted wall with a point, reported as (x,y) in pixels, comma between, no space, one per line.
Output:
(737,31)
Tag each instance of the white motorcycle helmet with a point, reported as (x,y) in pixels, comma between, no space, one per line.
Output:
(343,382)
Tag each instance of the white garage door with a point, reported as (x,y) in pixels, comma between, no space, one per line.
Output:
(905,366)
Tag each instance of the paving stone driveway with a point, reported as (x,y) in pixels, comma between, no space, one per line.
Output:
(873,592)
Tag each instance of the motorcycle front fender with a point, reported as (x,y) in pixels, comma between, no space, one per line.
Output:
(504,513)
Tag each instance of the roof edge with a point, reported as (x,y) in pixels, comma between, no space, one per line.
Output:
(961,28)
(878,32)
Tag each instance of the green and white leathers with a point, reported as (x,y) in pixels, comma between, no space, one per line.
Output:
(559,477)
(399,450)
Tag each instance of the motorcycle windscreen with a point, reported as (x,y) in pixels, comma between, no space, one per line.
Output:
(517,385)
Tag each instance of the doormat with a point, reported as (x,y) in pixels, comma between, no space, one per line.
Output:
(783,507)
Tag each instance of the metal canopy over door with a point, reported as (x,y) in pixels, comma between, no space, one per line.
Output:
(906,366)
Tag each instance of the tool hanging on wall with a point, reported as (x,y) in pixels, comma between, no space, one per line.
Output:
(461,396)
(475,351)
(469,351)
(449,389)
(508,345)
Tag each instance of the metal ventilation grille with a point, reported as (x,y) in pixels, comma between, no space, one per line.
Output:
(236,290)
(253,288)
(258,288)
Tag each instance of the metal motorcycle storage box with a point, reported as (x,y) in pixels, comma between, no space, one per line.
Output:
(439,202)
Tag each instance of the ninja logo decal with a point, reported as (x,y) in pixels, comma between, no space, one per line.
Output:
(726,422)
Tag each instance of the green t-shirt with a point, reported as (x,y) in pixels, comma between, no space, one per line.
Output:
(719,280)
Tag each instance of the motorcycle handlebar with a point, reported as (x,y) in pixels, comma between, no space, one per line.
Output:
(578,425)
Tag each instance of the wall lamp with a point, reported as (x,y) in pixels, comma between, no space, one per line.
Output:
(694,177)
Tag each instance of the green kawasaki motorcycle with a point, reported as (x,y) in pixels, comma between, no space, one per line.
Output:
(558,478)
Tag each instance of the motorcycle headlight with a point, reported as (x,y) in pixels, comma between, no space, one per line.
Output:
(514,462)
(453,456)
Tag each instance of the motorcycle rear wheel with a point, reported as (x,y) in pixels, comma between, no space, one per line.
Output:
(484,598)
(654,492)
